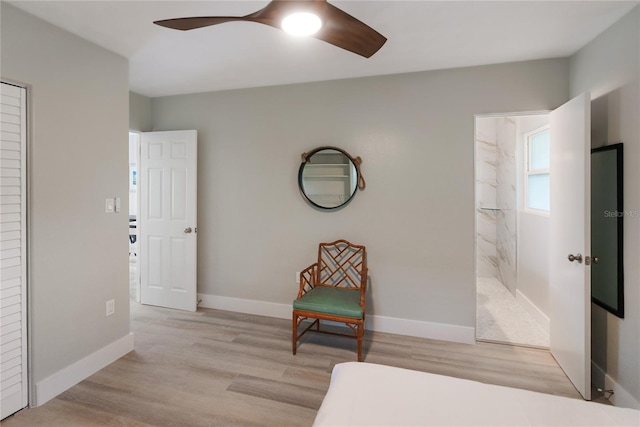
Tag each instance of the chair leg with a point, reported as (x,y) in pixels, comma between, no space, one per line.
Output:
(294,334)
(360,333)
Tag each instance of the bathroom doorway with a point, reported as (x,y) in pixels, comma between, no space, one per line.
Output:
(512,228)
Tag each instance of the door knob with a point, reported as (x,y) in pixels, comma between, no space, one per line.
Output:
(188,230)
(577,257)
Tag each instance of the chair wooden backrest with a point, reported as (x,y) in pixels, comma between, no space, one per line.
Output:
(340,264)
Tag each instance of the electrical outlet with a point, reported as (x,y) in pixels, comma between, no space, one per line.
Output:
(297,277)
(111,307)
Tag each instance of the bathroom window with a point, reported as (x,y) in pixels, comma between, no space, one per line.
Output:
(537,195)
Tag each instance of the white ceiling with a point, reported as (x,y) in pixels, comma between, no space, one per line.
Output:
(422,35)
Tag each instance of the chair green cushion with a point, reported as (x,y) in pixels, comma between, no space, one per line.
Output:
(330,300)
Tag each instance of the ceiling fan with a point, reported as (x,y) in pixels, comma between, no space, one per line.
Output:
(315,18)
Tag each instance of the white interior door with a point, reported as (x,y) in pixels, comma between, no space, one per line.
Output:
(167,219)
(570,235)
(13,251)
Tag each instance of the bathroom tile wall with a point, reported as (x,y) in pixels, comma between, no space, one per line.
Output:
(506,216)
(496,199)
(486,202)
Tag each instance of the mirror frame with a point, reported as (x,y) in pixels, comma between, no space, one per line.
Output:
(356,161)
(620,213)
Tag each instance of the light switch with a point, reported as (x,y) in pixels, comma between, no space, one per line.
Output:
(118,204)
(109,205)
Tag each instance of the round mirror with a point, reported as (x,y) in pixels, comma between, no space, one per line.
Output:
(328,177)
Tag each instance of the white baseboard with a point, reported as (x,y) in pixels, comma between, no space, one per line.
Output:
(422,329)
(66,378)
(416,328)
(620,396)
(533,310)
(260,308)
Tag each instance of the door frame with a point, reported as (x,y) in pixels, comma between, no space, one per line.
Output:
(138,219)
(475,216)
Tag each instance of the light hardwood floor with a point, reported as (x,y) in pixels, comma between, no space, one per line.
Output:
(217,368)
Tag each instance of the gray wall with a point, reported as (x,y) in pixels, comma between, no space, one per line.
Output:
(609,68)
(415,134)
(78,97)
(139,112)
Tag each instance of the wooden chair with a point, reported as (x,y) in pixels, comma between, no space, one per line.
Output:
(333,289)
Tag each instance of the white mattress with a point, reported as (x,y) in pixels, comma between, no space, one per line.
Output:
(365,394)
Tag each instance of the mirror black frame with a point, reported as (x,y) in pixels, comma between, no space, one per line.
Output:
(619,214)
(356,161)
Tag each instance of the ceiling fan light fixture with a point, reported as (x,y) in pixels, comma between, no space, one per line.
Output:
(301,17)
(301,24)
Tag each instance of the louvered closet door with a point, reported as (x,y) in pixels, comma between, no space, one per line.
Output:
(13,304)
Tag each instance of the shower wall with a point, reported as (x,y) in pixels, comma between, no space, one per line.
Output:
(486,202)
(496,199)
(506,200)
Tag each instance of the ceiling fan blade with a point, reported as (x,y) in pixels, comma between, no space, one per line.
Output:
(343,30)
(185,24)
(271,15)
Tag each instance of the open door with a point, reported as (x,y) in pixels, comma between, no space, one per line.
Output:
(570,241)
(167,219)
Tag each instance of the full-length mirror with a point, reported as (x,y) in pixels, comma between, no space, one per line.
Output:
(329,177)
(607,212)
